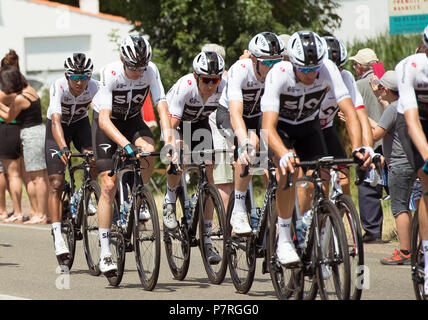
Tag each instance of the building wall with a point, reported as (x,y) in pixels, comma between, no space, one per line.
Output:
(44,35)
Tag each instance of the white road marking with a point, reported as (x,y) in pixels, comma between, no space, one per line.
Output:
(6,297)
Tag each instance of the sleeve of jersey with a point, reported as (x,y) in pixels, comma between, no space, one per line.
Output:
(273,84)
(235,80)
(176,99)
(156,87)
(356,97)
(55,94)
(336,82)
(104,97)
(405,79)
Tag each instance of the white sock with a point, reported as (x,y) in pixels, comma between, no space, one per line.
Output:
(284,230)
(240,201)
(208,224)
(171,194)
(56,229)
(105,242)
(425,248)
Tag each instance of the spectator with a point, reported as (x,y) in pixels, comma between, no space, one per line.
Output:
(223,171)
(25,109)
(371,213)
(3,188)
(401,174)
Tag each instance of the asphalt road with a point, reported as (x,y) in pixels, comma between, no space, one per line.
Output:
(28,270)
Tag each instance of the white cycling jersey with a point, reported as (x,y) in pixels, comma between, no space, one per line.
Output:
(296,102)
(242,85)
(71,108)
(329,106)
(185,103)
(412,81)
(123,96)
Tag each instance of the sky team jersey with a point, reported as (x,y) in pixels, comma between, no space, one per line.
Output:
(242,85)
(412,81)
(70,108)
(329,106)
(123,96)
(295,102)
(185,103)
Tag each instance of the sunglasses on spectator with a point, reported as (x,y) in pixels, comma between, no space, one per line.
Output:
(209,80)
(135,69)
(380,87)
(77,77)
(307,70)
(269,62)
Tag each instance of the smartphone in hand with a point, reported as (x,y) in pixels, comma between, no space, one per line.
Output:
(378,69)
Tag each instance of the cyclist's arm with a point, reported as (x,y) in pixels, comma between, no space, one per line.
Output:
(236,109)
(165,122)
(57,131)
(367,134)
(110,129)
(415,131)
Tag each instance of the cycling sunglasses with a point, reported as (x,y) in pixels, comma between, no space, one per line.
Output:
(209,80)
(135,69)
(269,62)
(307,70)
(77,77)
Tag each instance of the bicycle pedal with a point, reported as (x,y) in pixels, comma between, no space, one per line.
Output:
(194,242)
(78,235)
(129,247)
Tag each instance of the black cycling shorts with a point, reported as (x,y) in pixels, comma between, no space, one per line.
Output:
(10,146)
(306,139)
(105,148)
(333,144)
(79,132)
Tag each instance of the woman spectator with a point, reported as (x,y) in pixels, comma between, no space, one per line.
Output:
(25,109)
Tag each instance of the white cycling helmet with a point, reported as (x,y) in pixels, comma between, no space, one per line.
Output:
(335,50)
(136,51)
(266,44)
(78,63)
(425,38)
(306,49)
(208,63)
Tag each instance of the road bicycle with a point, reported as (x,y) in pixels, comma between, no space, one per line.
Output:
(79,212)
(417,259)
(190,214)
(324,265)
(136,227)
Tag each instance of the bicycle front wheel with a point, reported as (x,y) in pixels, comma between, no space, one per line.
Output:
(91,240)
(417,259)
(211,235)
(240,251)
(147,239)
(333,270)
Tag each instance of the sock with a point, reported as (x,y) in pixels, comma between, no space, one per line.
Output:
(425,248)
(105,242)
(240,201)
(284,230)
(56,229)
(208,224)
(171,194)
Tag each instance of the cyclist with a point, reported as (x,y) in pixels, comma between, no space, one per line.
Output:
(191,100)
(118,122)
(336,52)
(67,120)
(293,94)
(412,126)
(239,111)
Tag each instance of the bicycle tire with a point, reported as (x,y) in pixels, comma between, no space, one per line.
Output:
(177,242)
(354,238)
(117,247)
(215,271)
(240,251)
(147,240)
(417,259)
(67,230)
(335,282)
(91,240)
(286,282)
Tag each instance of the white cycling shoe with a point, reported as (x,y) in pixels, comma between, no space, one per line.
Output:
(61,248)
(107,265)
(286,253)
(239,223)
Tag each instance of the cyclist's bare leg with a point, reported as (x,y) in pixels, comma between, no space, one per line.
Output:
(146,144)
(105,203)
(56,186)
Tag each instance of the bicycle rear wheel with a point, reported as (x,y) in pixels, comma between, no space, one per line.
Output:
(240,252)
(333,269)
(417,259)
(211,235)
(91,240)
(147,239)
(177,243)
(354,238)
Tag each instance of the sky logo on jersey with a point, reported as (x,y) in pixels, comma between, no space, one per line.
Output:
(105,146)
